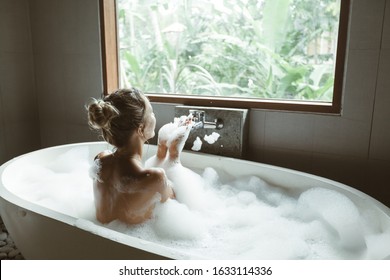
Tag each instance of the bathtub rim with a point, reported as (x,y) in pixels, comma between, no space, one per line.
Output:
(350,189)
(138,243)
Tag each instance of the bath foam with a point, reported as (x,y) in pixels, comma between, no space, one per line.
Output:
(212,138)
(174,220)
(197,145)
(61,185)
(341,215)
(188,186)
(218,217)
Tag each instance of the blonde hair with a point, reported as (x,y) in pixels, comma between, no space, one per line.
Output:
(117,115)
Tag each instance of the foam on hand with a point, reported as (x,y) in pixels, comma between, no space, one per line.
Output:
(219,217)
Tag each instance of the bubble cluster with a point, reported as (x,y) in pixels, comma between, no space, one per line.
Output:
(219,218)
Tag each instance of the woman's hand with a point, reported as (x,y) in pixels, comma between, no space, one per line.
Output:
(172,137)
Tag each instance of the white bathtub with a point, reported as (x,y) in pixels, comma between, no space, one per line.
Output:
(42,233)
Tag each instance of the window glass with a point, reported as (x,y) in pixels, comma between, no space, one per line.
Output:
(266,49)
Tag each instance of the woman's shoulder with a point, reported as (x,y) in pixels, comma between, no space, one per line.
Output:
(157,180)
(103,155)
(154,173)
(153,178)
(98,169)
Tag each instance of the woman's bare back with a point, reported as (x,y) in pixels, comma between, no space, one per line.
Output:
(125,191)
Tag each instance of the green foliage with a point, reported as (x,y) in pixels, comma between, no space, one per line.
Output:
(246,48)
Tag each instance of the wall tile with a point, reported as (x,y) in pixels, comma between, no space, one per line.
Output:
(297,160)
(87,35)
(80,75)
(19,123)
(15,28)
(77,133)
(78,22)
(81,31)
(50,86)
(18,88)
(255,153)
(386,27)
(338,136)
(256,129)
(21,137)
(360,84)
(66,44)
(254,146)
(2,134)
(366,24)
(380,138)
(164,113)
(53,132)
(289,131)
(13,6)
(378,174)
(48,20)
(351,171)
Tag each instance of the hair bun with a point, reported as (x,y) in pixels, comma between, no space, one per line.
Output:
(100,114)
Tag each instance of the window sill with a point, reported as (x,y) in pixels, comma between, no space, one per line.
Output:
(248,103)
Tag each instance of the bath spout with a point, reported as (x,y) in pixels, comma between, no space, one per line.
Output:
(217,124)
(199,117)
(197,125)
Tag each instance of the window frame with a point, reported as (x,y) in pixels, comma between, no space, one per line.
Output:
(110,65)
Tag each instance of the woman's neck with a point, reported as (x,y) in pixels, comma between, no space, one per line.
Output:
(133,149)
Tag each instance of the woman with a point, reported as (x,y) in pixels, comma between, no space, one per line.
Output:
(123,188)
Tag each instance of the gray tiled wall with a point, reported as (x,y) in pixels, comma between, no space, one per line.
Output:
(19,123)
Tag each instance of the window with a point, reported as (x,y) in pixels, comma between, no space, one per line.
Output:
(285,54)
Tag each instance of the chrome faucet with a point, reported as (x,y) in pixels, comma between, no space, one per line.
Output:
(199,117)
